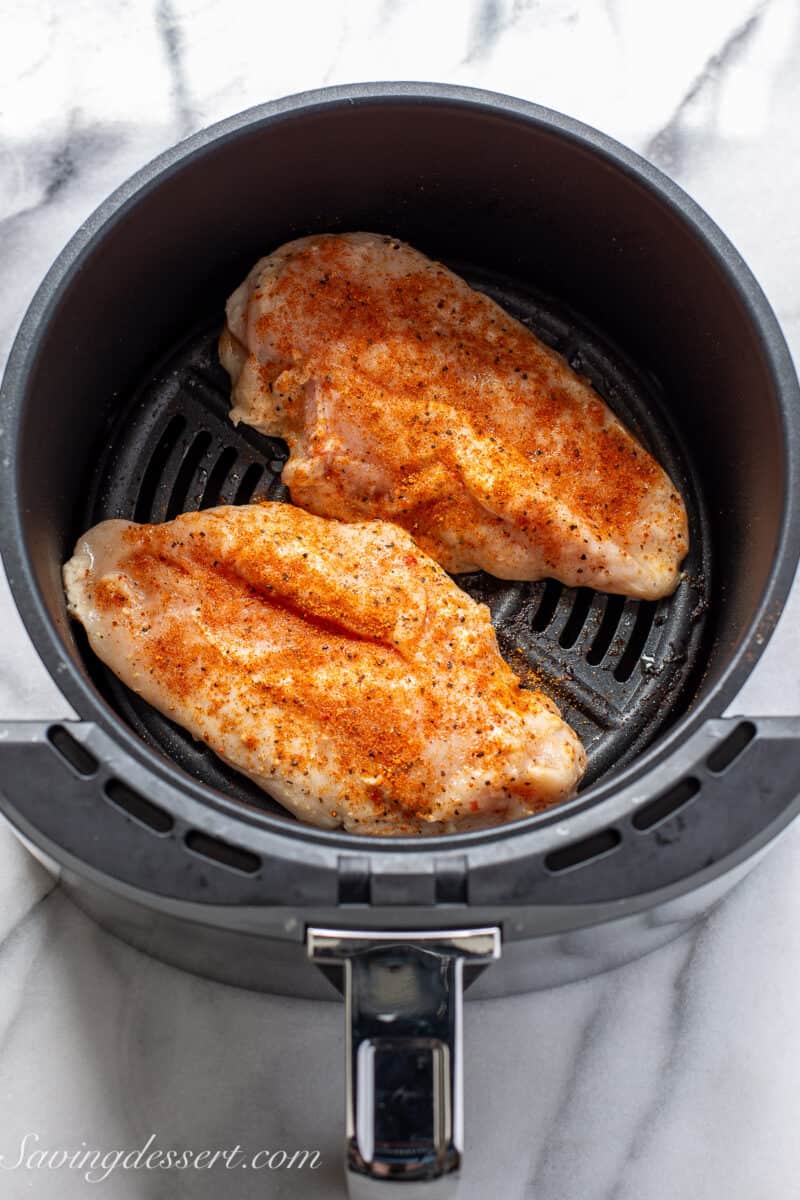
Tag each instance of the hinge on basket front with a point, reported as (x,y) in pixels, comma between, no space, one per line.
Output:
(363,881)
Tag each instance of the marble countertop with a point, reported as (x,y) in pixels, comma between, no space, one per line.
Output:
(672,1077)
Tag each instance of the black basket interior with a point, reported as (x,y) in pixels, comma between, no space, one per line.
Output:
(621,670)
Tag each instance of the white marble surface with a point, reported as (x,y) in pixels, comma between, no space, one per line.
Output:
(673,1077)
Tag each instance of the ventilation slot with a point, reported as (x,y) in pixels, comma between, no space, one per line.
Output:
(580,853)
(665,805)
(133,805)
(636,644)
(547,606)
(180,501)
(222,853)
(720,759)
(145,499)
(608,627)
(219,474)
(250,481)
(577,618)
(78,757)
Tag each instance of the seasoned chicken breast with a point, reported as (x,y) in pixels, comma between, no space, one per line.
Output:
(404,394)
(335,665)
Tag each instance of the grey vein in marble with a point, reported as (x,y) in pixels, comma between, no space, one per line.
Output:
(664,148)
(172,38)
(666,1077)
(555,1135)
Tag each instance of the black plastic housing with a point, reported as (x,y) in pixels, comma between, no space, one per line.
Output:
(512,189)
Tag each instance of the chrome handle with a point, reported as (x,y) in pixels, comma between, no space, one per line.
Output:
(403,997)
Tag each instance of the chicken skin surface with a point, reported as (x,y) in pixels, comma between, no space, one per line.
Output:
(405,395)
(334,664)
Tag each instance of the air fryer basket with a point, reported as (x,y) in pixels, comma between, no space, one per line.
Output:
(620,669)
(115,404)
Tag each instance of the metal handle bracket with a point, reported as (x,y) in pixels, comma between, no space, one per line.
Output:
(403,996)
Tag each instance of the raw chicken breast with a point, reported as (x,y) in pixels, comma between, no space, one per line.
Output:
(335,665)
(404,394)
